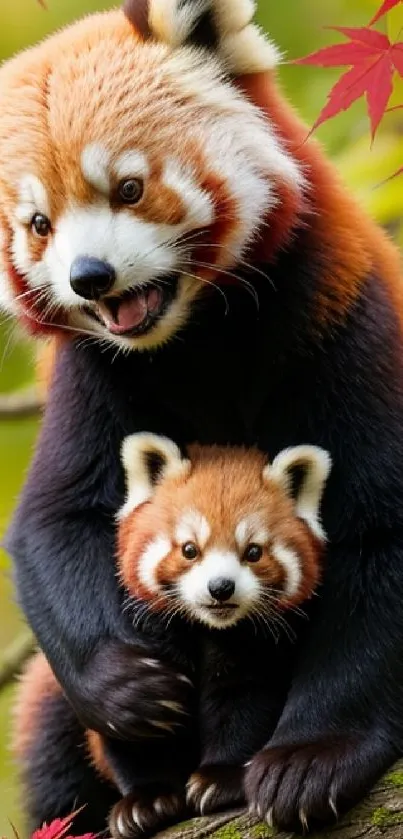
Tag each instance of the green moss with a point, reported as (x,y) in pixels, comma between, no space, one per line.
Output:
(177,828)
(395,778)
(261,831)
(382,817)
(227,831)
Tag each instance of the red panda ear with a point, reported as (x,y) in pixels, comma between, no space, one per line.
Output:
(302,472)
(137,12)
(223,26)
(147,460)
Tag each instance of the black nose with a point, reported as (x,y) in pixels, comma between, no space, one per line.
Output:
(221,588)
(91,278)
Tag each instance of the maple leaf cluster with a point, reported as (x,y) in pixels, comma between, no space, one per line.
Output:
(58,829)
(373,62)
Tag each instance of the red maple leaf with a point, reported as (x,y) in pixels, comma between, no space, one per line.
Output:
(387,5)
(373,60)
(59,829)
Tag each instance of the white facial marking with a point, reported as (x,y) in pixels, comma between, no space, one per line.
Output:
(251,529)
(137,249)
(20,250)
(292,566)
(156,551)
(200,211)
(132,164)
(195,594)
(7,298)
(32,198)
(95,163)
(193,527)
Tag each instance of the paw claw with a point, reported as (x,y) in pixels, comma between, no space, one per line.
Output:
(172,706)
(333,807)
(269,816)
(121,825)
(143,812)
(136,817)
(303,819)
(163,725)
(185,679)
(191,789)
(150,662)
(207,795)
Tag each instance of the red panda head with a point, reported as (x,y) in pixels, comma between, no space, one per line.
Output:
(221,534)
(133,171)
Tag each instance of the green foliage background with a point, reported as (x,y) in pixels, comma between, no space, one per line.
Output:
(296,26)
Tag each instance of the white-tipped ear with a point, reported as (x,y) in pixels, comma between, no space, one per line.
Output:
(312,465)
(249,51)
(147,460)
(173,21)
(225,26)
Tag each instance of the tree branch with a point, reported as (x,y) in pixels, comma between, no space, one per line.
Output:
(380,816)
(20,403)
(14,658)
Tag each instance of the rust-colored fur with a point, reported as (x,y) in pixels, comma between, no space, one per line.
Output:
(337,223)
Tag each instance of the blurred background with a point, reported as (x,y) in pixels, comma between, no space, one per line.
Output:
(297,26)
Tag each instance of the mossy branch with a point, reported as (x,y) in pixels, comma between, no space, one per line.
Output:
(20,404)
(380,816)
(14,658)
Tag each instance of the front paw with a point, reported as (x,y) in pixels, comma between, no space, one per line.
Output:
(215,787)
(145,811)
(302,787)
(128,695)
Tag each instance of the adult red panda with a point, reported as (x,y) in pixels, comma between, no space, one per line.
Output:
(157,197)
(217,539)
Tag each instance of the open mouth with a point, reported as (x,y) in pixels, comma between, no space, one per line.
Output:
(136,311)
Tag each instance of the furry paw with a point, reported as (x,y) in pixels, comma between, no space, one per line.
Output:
(127,695)
(302,787)
(146,810)
(214,787)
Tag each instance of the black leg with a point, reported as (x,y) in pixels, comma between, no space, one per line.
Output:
(342,724)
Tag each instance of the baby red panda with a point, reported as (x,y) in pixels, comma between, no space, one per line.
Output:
(218,539)
(217,535)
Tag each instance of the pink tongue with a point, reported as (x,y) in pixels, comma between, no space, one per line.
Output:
(131,312)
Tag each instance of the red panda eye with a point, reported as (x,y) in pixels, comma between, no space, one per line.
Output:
(190,550)
(253,553)
(40,225)
(131,190)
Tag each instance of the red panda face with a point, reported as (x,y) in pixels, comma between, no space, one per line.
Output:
(219,537)
(132,176)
